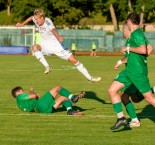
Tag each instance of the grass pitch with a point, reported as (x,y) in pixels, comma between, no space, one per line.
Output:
(21,128)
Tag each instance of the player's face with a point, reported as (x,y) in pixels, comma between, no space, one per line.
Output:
(129,24)
(40,20)
(19,92)
(126,32)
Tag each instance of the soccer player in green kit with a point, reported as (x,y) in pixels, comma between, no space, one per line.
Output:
(135,73)
(132,92)
(47,103)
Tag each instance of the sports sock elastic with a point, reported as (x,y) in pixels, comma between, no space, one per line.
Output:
(135,119)
(64,92)
(153,89)
(40,57)
(131,110)
(67,104)
(118,109)
(83,70)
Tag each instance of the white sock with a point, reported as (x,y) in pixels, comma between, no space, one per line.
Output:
(120,115)
(135,120)
(69,108)
(83,70)
(41,57)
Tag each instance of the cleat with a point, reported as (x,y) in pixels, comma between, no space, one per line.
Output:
(120,122)
(73,112)
(47,70)
(134,124)
(80,96)
(95,79)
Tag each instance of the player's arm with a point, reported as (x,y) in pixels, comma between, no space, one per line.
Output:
(25,22)
(140,50)
(149,49)
(56,34)
(120,62)
(33,94)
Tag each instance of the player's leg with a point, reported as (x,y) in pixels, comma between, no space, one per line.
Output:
(95,52)
(121,82)
(38,54)
(143,85)
(150,98)
(130,110)
(64,92)
(59,101)
(67,104)
(63,53)
(82,69)
(91,54)
(117,104)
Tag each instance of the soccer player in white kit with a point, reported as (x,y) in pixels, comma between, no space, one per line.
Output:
(51,44)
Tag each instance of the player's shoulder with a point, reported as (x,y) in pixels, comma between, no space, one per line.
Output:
(48,21)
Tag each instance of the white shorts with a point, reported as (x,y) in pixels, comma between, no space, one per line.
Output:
(55,47)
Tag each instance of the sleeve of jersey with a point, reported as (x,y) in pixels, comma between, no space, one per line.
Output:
(23,96)
(49,24)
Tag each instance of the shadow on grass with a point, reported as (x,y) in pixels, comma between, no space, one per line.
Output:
(92,95)
(123,129)
(147,112)
(77,108)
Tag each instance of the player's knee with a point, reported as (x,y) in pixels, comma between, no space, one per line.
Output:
(111,91)
(35,47)
(73,60)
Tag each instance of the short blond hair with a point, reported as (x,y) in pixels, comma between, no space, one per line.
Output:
(39,12)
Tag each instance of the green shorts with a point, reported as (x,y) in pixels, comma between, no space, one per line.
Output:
(134,93)
(131,90)
(141,82)
(45,103)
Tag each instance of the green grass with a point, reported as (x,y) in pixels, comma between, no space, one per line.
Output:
(21,128)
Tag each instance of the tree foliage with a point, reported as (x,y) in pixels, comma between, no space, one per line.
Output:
(70,12)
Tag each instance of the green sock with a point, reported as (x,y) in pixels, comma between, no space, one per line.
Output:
(64,92)
(131,110)
(118,107)
(67,104)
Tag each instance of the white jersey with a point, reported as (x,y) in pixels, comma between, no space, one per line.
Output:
(46,30)
(49,43)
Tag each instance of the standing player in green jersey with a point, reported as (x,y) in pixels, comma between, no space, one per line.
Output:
(136,71)
(132,92)
(31,102)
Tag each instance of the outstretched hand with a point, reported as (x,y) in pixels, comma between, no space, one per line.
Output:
(33,93)
(19,25)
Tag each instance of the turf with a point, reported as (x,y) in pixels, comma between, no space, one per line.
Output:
(21,128)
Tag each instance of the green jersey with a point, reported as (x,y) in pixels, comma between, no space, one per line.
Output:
(25,103)
(137,63)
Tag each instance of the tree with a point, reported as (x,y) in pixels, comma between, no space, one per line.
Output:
(9,7)
(6,4)
(71,11)
(24,9)
(113,17)
(146,7)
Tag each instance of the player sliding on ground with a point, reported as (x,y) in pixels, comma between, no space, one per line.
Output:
(31,102)
(51,44)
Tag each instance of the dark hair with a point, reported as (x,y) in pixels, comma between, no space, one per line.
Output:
(134,18)
(14,90)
